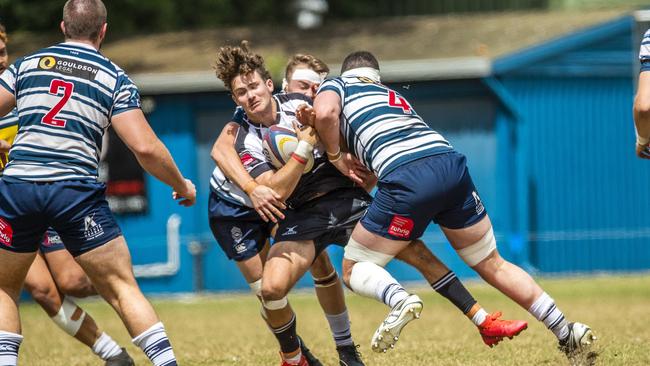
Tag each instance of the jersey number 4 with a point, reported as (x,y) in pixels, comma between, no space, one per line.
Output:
(395,100)
(55,88)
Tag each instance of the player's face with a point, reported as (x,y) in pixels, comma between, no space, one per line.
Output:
(4,57)
(252,93)
(301,86)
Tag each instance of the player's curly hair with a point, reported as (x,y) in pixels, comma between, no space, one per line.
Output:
(3,34)
(233,61)
(312,62)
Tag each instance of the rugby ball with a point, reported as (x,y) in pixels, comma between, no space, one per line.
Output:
(279,143)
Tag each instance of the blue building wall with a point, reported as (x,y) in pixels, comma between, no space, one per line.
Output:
(549,139)
(582,190)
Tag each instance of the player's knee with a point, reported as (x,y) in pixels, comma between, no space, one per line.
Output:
(273,291)
(642,106)
(46,296)
(77,285)
(476,255)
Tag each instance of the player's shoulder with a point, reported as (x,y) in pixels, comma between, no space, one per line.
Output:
(289,102)
(73,56)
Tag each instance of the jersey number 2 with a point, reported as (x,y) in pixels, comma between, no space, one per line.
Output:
(55,86)
(395,100)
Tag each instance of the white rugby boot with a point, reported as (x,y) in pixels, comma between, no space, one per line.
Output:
(576,346)
(389,330)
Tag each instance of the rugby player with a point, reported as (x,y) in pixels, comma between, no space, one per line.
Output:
(443,280)
(66,96)
(231,214)
(421,179)
(54,273)
(642,101)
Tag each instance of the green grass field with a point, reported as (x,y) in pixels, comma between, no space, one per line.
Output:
(227,329)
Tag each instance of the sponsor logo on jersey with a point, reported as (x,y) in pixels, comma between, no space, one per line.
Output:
(92,229)
(47,62)
(6,233)
(52,239)
(479,205)
(400,227)
(68,67)
(247,159)
(291,230)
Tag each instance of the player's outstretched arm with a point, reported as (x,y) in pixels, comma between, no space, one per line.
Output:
(642,116)
(265,200)
(132,127)
(285,179)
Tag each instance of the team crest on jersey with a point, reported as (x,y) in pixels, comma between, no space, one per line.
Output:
(6,233)
(68,66)
(92,229)
(400,227)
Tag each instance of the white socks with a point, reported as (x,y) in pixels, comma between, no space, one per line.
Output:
(370,280)
(9,345)
(544,310)
(479,317)
(105,347)
(340,326)
(156,346)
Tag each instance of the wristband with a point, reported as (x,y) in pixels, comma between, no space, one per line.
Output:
(299,158)
(334,155)
(250,186)
(304,149)
(334,158)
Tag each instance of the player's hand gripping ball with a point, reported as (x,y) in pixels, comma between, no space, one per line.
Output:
(279,143)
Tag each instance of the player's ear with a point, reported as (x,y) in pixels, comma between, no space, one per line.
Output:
(269,85)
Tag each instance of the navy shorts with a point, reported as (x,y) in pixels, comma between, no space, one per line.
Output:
(51,242)
(436,188)
(239,230)
(77,210)
(325,220)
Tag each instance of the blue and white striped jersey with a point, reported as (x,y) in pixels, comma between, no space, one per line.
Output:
(66,96)
(322,178)
(380,127)
(644,52)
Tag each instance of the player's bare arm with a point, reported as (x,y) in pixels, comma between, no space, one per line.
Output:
(4,147)
(7,102)
(265,200)
(132,127)
(642,116)
(285,179)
